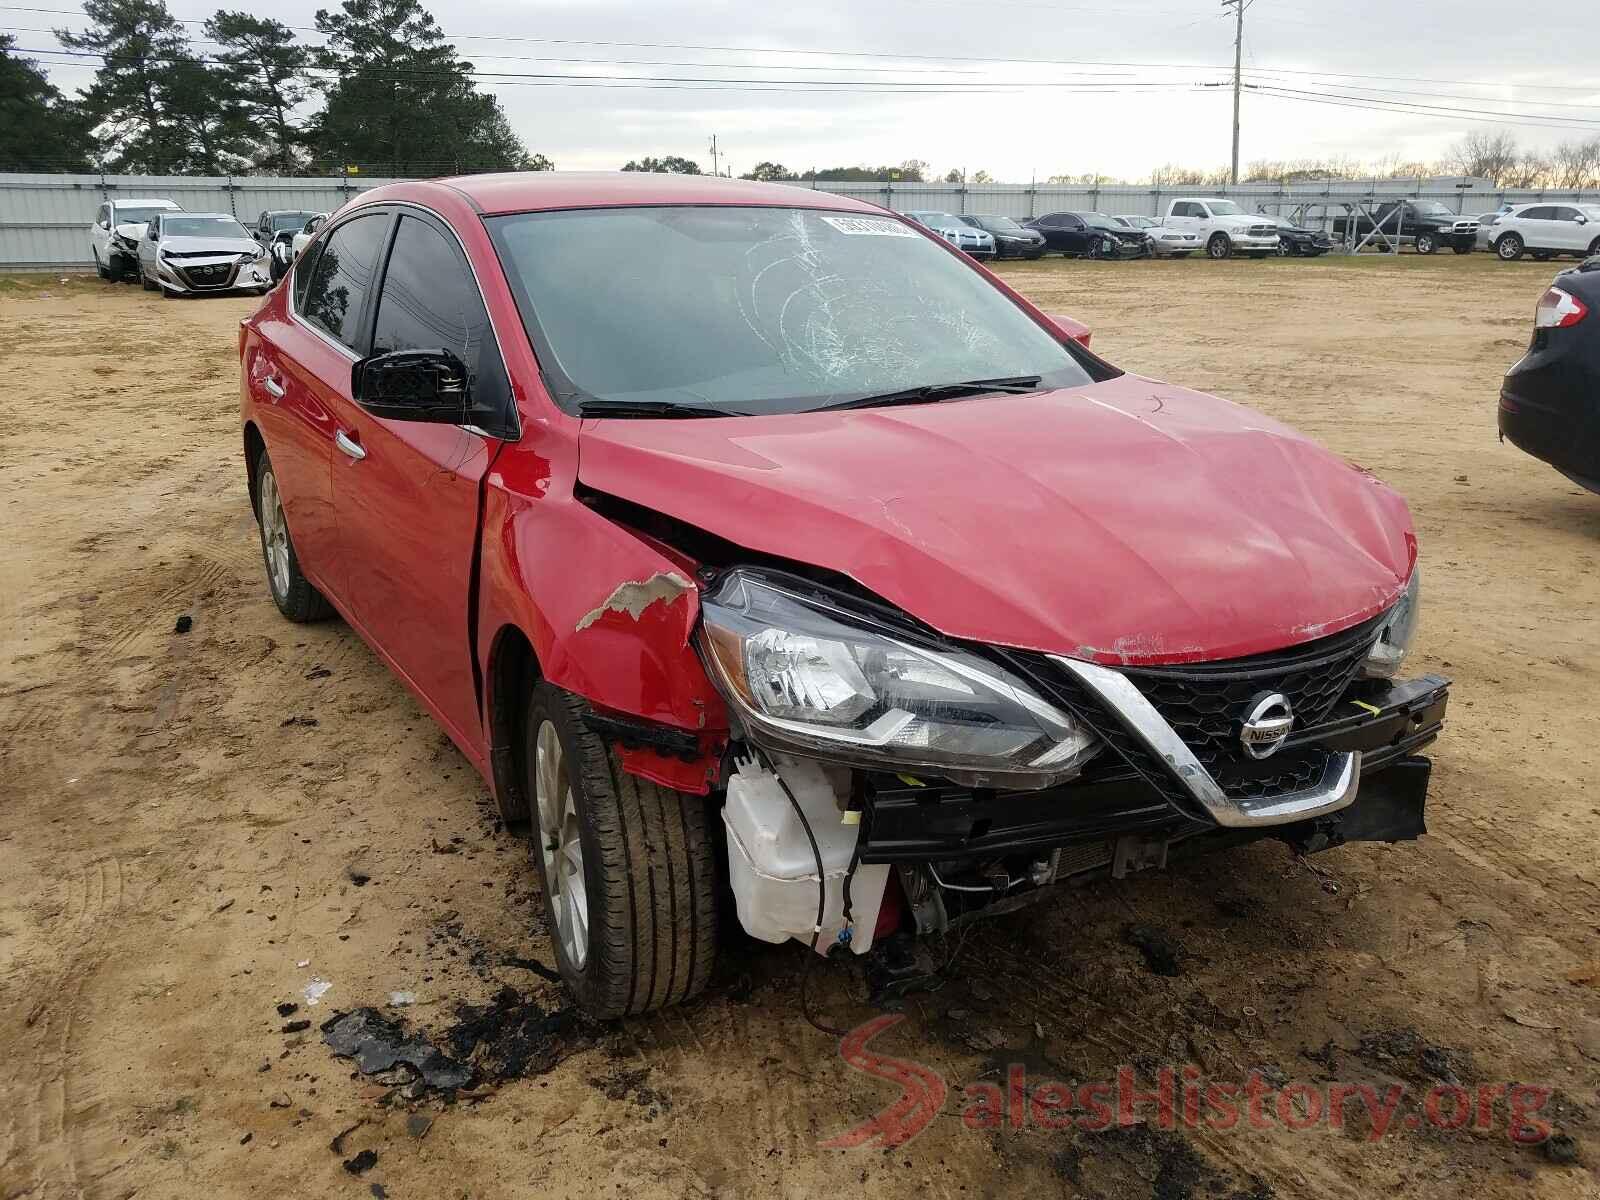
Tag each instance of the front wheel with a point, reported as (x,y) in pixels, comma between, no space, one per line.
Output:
(627,867)
(291,591)
(1509,247)
(1426,243)
(100,268)
(146,282)
(1462,249)
(1219,246)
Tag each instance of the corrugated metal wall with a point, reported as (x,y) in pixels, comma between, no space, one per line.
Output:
(44,219)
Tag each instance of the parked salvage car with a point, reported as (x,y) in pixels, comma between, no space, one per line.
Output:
(188,253)
(1090,235)
(1011,240)
(678,502)
(1546,231)
(1164,242)
(1297,241)
(1547,400)
(288,243)
(1223,228)
(273,222)
(968,239)
(114,236)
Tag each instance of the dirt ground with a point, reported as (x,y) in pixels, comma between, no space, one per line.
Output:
(196,826)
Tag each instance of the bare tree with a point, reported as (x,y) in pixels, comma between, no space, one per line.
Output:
(1576,164)
(1491,156)
(1531,169)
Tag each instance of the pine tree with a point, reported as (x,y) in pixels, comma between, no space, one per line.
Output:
(139,41)
(39,131)
(265,70)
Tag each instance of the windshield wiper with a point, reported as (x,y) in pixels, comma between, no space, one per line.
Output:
(652,408)
(932,393)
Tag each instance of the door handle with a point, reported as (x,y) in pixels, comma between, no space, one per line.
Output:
(273,387)
(349,445)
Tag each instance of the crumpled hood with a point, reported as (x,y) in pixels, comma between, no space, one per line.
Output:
(132,230)
(210,245)
(1123,522)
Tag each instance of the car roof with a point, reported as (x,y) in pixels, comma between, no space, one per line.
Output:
(537,191)
(151,203)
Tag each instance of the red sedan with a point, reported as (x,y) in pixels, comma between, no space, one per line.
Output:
(747,536)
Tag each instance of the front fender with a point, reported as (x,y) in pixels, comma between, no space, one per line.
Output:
(610,614)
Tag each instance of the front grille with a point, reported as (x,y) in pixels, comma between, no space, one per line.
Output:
(1206,704)
(209,274)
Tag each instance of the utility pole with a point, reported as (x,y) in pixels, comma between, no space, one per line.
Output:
(1238,7)
(714,170)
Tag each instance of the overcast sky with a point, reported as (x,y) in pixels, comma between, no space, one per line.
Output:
(976,110)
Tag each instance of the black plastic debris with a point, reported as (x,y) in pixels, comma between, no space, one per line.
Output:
(183,624)
(509,1038)
(296,1026)
(379,1044)
(287,1007)
(1562,1148)
(364,1161)
(1163,954)
(306,722)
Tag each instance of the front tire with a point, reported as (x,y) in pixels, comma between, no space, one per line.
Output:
(1426,243)
(100,268)
(627,867)
(1219,246)
(146,282)
(1509,247)
(291,591)
(1462,249)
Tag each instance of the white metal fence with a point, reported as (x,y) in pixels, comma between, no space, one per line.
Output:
(44,219)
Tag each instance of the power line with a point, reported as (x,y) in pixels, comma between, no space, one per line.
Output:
(904,57)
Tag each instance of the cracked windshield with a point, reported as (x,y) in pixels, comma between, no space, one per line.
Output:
(759,310)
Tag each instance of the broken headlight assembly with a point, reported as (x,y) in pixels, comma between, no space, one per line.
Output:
(815,675)
(1397,632)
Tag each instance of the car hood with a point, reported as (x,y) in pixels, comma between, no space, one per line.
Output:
(210,245)
(1121,522)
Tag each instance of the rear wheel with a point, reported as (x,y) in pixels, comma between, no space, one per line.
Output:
(1509,247)
(1467,249)
(1219,246)
(291,591)
(627,867)
(1594,246)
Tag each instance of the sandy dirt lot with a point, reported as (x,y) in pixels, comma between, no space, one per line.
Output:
(196,826)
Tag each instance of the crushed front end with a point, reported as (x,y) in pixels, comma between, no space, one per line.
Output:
(885,777)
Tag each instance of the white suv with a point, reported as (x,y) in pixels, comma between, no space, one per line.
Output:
(1546,230)
(114,236)
(1223,227)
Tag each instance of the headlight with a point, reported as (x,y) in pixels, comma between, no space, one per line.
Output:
(1398,630)
(812,676)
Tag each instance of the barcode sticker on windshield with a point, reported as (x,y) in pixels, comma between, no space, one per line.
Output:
(881,226)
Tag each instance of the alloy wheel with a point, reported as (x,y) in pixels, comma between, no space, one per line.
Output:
(561,845)
(274,535)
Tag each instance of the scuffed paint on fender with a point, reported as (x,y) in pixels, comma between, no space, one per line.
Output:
(609,614)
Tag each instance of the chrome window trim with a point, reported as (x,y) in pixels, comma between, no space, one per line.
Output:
(329,228)
(1337,788)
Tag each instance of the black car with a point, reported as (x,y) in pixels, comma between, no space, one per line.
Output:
(1090,235)
(1547,400)
(273,222)
(1296,240)
(1011,240)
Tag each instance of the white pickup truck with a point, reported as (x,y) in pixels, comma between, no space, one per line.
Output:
(1224,228)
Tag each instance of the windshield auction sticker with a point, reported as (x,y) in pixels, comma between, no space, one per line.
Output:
(879,226)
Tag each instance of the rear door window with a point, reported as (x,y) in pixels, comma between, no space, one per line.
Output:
(342,276)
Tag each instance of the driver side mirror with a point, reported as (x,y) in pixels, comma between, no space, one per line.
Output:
(412,385)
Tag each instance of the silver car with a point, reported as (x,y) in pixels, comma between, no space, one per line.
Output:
(190,253)
(978,243)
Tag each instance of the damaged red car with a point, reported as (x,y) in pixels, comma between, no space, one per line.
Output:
(747,537)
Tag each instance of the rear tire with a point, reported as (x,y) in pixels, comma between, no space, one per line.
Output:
(644,870)
(1509,247)
(291,591)
(1594,246)
(1462,249)
(1219,247)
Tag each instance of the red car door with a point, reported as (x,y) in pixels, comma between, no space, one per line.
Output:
(299,374)
(406,492)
